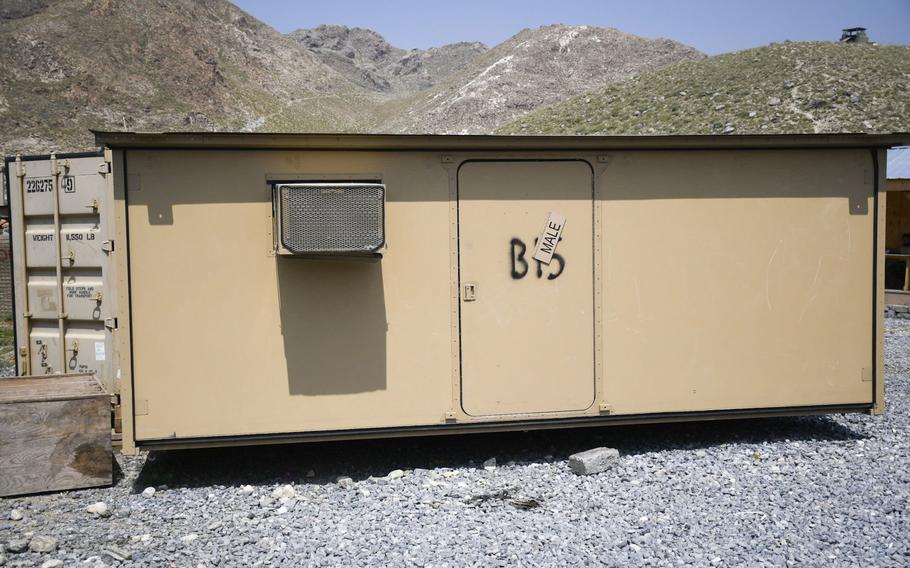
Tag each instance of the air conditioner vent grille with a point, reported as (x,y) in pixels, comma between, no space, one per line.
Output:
(326,218)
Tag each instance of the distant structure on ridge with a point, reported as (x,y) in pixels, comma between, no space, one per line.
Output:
(854,35)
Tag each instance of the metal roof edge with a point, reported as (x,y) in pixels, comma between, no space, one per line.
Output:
(319,141)
(59,155)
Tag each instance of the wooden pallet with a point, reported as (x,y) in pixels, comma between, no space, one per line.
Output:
(55,434)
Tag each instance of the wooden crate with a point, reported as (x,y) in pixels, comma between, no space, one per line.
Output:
(55,434)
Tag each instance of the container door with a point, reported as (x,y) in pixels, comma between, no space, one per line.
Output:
(527,325)
(61,254)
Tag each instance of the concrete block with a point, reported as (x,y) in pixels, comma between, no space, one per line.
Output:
(593,461)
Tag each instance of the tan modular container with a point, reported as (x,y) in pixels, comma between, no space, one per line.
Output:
(283,287)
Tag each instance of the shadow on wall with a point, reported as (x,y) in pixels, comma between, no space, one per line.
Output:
(333,322)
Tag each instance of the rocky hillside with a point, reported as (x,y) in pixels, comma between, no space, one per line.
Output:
(534,68)
(781,88)
(366,58)
(70,65)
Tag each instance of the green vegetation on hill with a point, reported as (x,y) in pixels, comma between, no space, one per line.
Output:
(7,343)
(780,88)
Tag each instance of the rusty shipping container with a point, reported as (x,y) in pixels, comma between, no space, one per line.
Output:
(250,288)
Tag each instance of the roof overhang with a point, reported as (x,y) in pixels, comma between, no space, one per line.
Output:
(423,142)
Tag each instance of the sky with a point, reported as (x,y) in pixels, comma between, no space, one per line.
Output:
(712,26)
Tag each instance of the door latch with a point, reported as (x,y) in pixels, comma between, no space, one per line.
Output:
(470,292)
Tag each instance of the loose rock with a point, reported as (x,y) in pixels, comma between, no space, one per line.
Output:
(99,509)
(41,543)
(148,492)
(55,563)
(285,492)
(345,482)
(117,553)
(593,461)
(395,474)
(15,515)
(17,545)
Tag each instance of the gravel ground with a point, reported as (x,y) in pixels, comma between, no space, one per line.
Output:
(818,491)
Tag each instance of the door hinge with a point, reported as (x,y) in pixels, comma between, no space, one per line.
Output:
(110,323)
(20,167)
(104,168)
(107,246)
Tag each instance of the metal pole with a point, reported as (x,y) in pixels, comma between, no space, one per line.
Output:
(25,347)
(61,314)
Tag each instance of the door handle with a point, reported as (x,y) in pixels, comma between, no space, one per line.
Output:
(469,292)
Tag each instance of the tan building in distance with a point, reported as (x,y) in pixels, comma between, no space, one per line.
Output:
(897,232)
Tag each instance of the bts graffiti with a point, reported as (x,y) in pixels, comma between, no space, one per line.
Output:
(520,266)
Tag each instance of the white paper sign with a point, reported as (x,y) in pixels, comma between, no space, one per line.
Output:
(549,238)
(99,351)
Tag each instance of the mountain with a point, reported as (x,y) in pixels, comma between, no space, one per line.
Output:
(780,88)
(71,65)
(366,58)
(536,67)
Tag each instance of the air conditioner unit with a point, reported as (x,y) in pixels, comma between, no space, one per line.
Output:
(330,218)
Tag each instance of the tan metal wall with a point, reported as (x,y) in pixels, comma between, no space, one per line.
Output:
(738,279)
(721,279)
(230,339)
